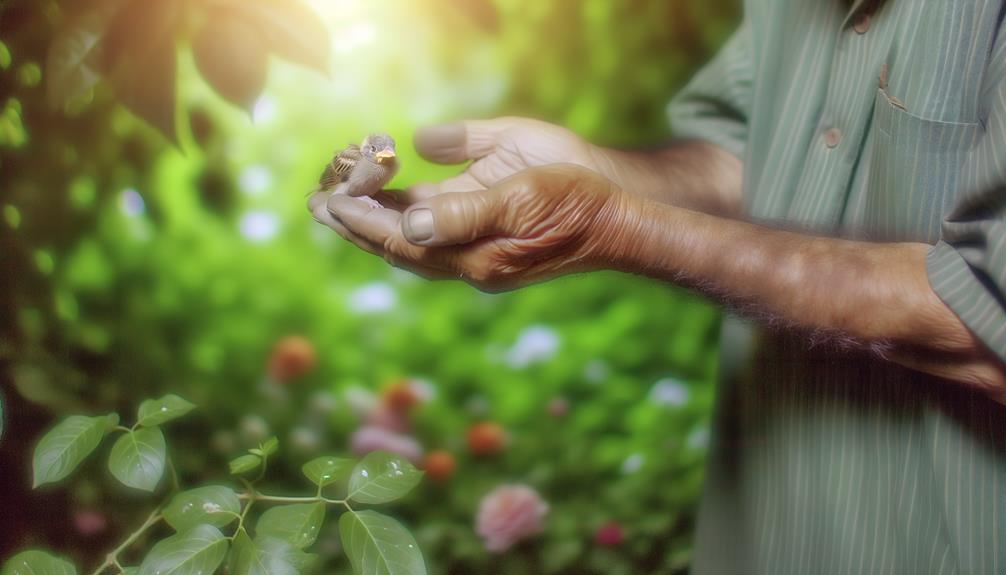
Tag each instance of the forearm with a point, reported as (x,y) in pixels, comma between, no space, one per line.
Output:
(874,294)
(689,173)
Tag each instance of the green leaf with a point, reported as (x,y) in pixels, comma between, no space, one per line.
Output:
(62,449)
(298,524)
(327,470)
(137,458)
(198,551)
(213,505)
(270,446)
(267,556)
(157,411)
(379,545)
(231,56)
(140,61)
(130,571)
(34,562)
(292,30)
(244,464)
(382,477)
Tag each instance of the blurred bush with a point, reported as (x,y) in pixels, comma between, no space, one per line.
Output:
(132,267)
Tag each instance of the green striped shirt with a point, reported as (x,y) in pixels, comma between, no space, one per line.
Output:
(882,121)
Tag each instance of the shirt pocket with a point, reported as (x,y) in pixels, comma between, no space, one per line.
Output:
(915,165)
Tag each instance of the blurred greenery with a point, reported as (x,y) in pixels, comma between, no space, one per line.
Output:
(133,268)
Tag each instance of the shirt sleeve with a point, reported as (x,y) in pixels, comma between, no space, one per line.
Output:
(715,104)
(967,267)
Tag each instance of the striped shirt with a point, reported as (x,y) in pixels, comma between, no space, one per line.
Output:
(884,121)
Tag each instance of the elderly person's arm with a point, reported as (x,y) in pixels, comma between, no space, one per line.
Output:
(559,219)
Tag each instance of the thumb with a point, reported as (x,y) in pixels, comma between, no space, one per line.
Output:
(454,218)
(459,142)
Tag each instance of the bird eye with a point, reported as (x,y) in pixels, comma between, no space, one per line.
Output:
(373,148)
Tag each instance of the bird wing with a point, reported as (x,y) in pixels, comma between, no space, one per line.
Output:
(339,168)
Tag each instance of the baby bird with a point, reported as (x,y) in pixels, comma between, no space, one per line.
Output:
(363,170)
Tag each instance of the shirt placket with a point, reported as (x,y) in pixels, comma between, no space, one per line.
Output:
(843,119)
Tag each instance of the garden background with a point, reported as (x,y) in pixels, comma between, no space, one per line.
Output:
(132,267)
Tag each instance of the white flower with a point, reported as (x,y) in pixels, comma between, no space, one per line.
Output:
(258,226)
(535,344)
(255,180)
(131,203)
(376,297)
(669,392)
(632,463)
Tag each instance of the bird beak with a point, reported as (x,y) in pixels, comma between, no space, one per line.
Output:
(384,156)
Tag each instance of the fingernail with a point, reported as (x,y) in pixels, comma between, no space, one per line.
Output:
(419,225)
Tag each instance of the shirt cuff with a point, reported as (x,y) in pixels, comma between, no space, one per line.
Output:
(975,300)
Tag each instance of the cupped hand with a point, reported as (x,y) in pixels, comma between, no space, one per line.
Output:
(534,225)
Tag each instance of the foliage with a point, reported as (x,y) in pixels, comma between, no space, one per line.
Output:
(134,44)
(375,544)
(135,269)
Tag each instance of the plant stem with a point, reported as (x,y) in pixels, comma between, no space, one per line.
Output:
(113,557)
(256,496)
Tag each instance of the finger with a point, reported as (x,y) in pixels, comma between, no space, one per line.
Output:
(454,218)
(463,182)
(316,199)
(371,223)
(323,216)
(458,142)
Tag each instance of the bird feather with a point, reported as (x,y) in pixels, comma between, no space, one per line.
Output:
(339,168)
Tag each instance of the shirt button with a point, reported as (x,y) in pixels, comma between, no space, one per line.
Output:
(832,137)
(862,23)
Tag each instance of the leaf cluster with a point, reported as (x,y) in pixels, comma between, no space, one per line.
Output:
(134,46)
(275,545)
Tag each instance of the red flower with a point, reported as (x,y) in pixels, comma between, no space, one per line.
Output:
(486,438)
(292,357)
(440,465)
(609,535)
(400,396)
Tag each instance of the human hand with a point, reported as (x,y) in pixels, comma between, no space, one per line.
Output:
(537,224)
(500,148)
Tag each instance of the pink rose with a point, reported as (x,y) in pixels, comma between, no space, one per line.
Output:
(370,438)
(508,514)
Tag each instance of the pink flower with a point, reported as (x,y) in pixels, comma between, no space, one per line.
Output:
(89,522)
(609,535)
(508,514)
(389,419)
(370,438)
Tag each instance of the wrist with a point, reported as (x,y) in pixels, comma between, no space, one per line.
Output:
(626,232)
